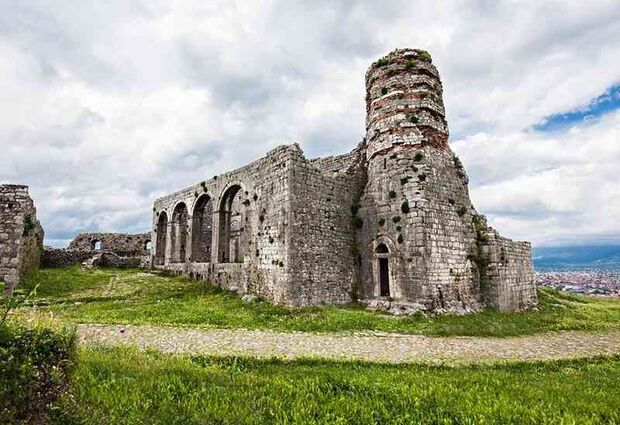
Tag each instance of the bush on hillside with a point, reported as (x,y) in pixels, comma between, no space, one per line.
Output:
(35,368)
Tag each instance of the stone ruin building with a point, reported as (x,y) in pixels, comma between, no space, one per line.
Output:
(122,244)
(21,235)
(101,249)
(389,224)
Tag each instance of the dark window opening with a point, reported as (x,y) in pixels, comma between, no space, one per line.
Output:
(384,277)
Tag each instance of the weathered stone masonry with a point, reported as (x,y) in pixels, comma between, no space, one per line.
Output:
(389,224)
(125,245)
(21,235)
(108,249)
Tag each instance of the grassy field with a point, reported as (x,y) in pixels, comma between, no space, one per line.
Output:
(122,386)
(133,297)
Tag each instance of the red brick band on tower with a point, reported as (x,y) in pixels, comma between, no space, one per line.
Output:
(404,103)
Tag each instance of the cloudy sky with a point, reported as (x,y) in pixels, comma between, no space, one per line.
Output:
(105,106)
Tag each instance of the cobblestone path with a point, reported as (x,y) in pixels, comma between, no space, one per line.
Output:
(371,346)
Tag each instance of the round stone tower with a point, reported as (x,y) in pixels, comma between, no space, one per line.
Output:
(404,103)
(417,237)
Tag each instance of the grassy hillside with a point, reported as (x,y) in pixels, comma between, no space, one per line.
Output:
(135,297)
(122,386)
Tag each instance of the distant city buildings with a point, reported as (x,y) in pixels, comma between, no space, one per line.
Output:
(586,282)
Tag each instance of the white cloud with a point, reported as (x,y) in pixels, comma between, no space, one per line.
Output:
(106,105)
(549,189)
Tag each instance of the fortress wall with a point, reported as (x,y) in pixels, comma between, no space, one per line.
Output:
(324,258)
(508,280)
(449,235)
(21,235)
(262,204)
(64,257)
(125,245)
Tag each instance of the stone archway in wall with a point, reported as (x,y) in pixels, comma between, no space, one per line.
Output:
(162,238)
(179,233)
(230,245)
(384,268)
(382,271)
(202,229)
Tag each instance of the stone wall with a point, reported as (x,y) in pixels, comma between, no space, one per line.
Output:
(63,257)
(21,235)
(249,236)
(125,245)
(507,275)
(323,253)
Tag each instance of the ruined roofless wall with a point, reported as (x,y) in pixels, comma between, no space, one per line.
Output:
(21,235)
(323,258)
(124,245)
(254,203)
(297,232)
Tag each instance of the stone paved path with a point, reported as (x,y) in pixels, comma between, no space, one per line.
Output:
(395,348)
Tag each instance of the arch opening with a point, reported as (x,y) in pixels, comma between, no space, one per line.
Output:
(96,245)
(148,246)
(383,270)
(162,239)
(230,247)
(179,233)
(202,230)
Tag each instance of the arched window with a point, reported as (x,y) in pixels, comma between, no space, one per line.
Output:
(202,230)
(162,238)
(230,247)
(96,245)
(383,270)
(147,246)
(179,233)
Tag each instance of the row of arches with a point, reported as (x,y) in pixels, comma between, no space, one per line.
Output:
(175,230)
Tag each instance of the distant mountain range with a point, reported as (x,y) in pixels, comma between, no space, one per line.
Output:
(577,257)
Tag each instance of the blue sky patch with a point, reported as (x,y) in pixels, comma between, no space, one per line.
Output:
(603,104)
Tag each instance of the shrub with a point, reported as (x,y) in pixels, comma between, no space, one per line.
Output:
(424,55)
(457,162)
(405,207)
(35,369)
(29,225)
(392,194)
(383,62)
(410,64)
(462,211)
(413,119)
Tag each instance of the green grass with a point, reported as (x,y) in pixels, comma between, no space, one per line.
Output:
(123,386)
(135,297)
